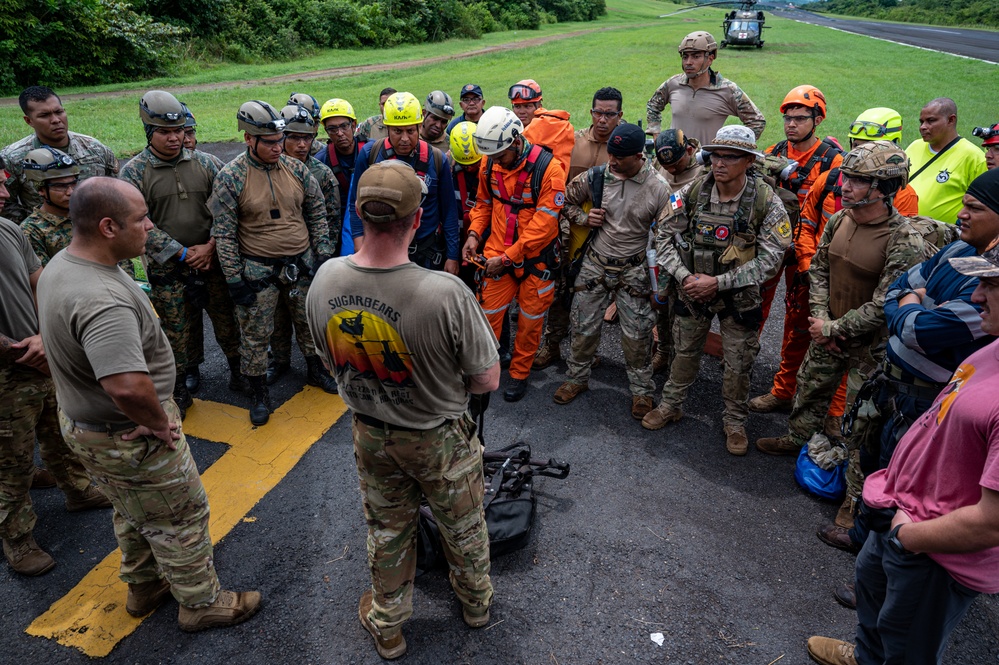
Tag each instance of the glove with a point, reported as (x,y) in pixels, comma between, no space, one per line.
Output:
(242,294)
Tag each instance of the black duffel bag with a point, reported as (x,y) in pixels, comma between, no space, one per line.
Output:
(509,504)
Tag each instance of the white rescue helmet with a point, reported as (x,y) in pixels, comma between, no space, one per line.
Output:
(496,130)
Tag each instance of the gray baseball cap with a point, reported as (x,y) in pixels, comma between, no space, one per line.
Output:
(986,265)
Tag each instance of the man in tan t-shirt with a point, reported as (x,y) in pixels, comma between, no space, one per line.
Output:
(408,345)
(114,375)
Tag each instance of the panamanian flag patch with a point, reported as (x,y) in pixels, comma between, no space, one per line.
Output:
(675,201)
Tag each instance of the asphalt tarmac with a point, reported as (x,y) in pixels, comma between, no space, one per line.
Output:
(978,44)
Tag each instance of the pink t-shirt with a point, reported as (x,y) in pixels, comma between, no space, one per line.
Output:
(945,459)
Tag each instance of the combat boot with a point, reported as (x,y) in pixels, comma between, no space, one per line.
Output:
(569,391)
(260,412)
(43,479)
(769,402)
(145,597)
(658,417)
(548,354)
(844,516)
(661,360)
(275,370)
(238,382)
(640,406)
(182,397)
(390,642)
(736,442)
(827,651)
(318,376)
(836,536)
(89,499)
(26,557)
(192,379)
(778,445)
(230,608)
(833,427)
(475,617)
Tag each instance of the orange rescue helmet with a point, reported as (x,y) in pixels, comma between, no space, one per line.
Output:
(808,96)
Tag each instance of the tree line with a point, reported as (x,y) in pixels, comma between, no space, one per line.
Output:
(83,42)
(972,13)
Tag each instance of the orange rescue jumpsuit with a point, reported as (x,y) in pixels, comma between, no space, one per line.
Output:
(536,229)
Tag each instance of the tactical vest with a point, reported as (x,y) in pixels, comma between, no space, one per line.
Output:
(271,222)
(711,233)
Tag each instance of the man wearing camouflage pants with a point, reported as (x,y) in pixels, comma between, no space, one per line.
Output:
(270,226)
(864,248)
(633,199)
(378,319)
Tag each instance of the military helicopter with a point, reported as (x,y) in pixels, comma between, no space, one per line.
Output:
(742,26)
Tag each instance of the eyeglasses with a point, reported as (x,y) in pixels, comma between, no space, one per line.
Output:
(729,157)
(299,138)
(471,100)
(873,130)
(796,119)
(62,186)
(338,129)
(526,93)
(858,179)
(604,114)
(271,142)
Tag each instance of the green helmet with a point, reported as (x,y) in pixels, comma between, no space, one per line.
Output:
(308,101)
(189,120)
(47,163)
(298,120)
(159,108)
(258,118)
(877,123)
(880,160)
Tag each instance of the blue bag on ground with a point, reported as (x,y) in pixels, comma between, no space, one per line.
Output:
(826,484)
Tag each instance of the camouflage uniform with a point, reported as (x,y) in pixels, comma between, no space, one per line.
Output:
(47,233)
(171,280)
(196,338)
(395,468)
(371,129)
(626,278)
(706,228)
(701,127)
(160,507)
(864,329)
(256,321)
(281,339)
(92,156)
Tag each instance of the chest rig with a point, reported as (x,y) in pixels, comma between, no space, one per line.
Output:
(712,233)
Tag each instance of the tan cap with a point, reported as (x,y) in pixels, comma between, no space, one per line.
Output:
(393,183)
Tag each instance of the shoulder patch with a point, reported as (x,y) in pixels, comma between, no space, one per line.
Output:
(559,198)
(784,229)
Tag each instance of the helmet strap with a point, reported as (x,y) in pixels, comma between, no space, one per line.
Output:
(48,200)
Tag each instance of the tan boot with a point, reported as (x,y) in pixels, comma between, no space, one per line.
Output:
(43,479)
(778,445)
(827,651)
(26,557)
(475,617)
(844,516)
(230,608)
(390,643)
(658,417)
(548,353)
(769,402)
(833,427)
(89,499)
(145,597)
(640,406)
(736,442)
(569,391)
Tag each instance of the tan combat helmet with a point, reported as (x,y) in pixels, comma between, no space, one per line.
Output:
(880,160)
(47,163)
(258,118)
(298,120)
(159,108)
(439,104)
(698,41)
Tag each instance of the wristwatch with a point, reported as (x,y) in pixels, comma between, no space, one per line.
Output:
(904,293)
(895,543)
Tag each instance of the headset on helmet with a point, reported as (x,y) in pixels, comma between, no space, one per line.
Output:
(298,120)
(337,107)
(402,109)
(439,104)
(877,123)
(463,148)
(159,108)
(497,130)
(258,118)
(308,101)
(47,163)
(808,96)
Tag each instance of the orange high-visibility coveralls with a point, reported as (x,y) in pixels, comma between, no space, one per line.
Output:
(536,230)
(796,337)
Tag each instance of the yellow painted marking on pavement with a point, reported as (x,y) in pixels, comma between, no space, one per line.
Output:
(92,617)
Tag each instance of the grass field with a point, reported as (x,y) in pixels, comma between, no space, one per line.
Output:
(854,72)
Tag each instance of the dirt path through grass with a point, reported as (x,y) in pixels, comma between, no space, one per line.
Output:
(338,71)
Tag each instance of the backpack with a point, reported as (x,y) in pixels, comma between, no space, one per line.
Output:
(552,130)
(509,504)
(422,165)
(595,179)
(774,171)
(786,181)
(936,234)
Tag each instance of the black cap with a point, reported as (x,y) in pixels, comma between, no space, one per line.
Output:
(626,140)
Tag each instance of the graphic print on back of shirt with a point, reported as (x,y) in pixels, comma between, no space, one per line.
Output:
(366,347)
